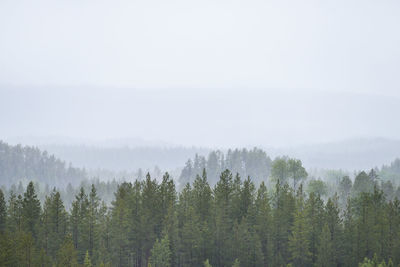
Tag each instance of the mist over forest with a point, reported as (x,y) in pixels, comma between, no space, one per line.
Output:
(211,133)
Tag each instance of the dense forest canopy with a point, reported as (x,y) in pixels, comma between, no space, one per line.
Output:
(238,208)
(234,223)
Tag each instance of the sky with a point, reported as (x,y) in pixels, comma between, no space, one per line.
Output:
(208,73)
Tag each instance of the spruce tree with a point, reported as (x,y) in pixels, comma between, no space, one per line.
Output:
(325,256)
(314,209)
(93,218)
(160,253)
(67,255)
(223,221)
(31,210)
(298,240)
(54,224)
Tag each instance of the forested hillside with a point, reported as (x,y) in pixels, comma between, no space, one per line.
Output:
(234,223)
(29,163)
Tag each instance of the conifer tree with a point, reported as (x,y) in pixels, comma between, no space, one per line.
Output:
(160,253)
(298,240)
(67,255)
(223,222)
(284,208)
(80,224)
(14,213)
(54,224)
(334,222)
(247,245)
(263,222)
(325,256)
(314,209)
(93,218)
(120,225)
(31,210)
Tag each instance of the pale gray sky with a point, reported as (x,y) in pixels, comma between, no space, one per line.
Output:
(206,72)
(345,45)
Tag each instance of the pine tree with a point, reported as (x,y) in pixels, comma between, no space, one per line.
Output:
(247,245)
(14,213)
(263,222)
(120,225)
(25,249)
(334,221)
(152,215)
(298,241)
(314,209)
(93,217)
(67,255)
(54,224)
(202,207)
(282,221)
(7,250)
(80,224)
(325,256)
(223,222)
(160,253)
(31,210)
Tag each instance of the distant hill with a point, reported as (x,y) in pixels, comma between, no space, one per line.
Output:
(30,163)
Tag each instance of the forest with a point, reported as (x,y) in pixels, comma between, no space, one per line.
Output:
(234,223)
(238,208)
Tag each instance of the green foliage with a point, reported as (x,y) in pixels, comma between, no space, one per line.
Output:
(67,255)
(31,163)
(364,183)
(254,163)
(280,170)
(31,210)
(160,253)
(298,240)
(375,263)
(236,263)
(207,263)
(325,256)
(317,186)
(87,262)
(151,224)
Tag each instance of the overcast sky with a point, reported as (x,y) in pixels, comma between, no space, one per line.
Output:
(206,72)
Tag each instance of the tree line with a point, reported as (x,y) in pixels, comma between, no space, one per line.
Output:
(25,162)
(254,163)
(234,223)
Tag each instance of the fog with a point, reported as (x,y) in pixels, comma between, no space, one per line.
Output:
(203,73)
(200,118)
